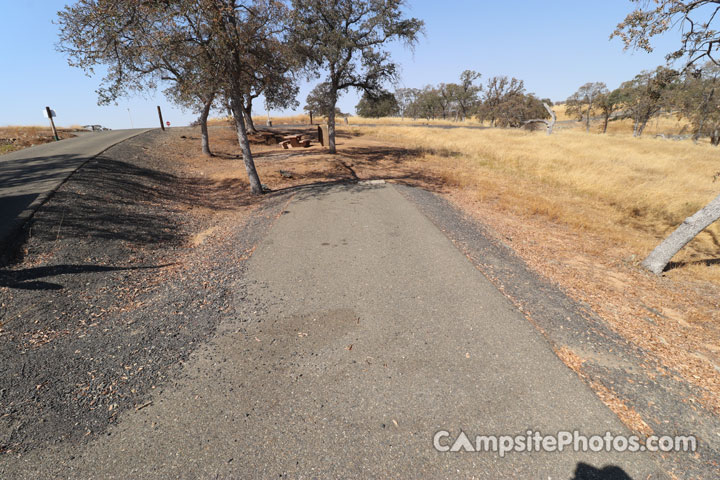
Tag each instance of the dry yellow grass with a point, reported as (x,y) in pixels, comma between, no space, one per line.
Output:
(562,115)
(631,190)
(15,137)
(261,120)
(409,121)
(667,124)
(289,120)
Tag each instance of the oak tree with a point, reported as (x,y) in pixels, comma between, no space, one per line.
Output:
(142,42)
(700,39)
(382,104)
(584,101)
(346,39)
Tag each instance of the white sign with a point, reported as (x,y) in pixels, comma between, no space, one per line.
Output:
(52,113)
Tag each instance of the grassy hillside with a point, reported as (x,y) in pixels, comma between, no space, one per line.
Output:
(634,191)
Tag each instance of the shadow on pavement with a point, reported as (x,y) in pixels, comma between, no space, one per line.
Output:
(583,471)
(26,279)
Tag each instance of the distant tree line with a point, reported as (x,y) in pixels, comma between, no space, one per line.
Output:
(502,101)
(689,94)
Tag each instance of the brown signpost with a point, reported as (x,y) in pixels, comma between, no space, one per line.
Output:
(50,114)
(162,125)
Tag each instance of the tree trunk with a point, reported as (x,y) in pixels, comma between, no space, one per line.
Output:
(311,120)
(549,124)
(703,114)
(331,119)
(253,178)
(247,113)
(204,126)
(641,128)
(698,132)
(587,119)
(635,127)
(715,138)
(605,123)
(331,130)
(689,229)
(553,117)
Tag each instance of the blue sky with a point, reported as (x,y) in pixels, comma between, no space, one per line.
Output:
(553,46)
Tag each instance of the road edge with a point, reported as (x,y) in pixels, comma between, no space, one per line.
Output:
(15,236)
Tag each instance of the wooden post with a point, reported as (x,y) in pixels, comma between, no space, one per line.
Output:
(311,117)
(323,135)
(162,125)
(52,123)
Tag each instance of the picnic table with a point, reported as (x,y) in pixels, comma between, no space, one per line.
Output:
(294,141)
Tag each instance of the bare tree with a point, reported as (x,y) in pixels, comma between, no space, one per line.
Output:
(549,124)
(346,39)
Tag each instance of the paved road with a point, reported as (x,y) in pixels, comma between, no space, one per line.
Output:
(363,333)
(27,176)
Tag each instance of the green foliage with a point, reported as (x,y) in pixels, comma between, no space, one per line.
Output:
(699,38)
(318,101)
(699,101)
(647,94)
(584,102)
(347,39)
(379,105)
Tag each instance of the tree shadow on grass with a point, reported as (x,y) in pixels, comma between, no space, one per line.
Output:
(705,262)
